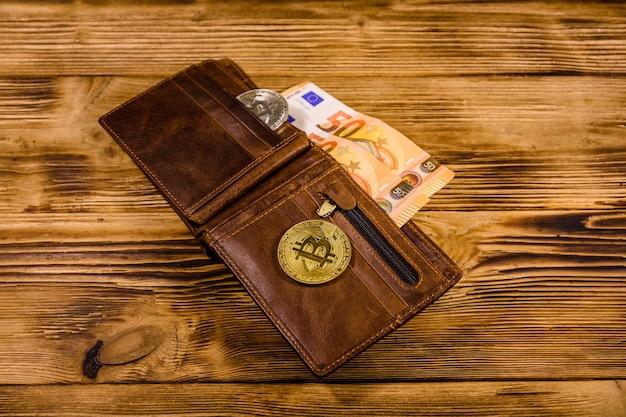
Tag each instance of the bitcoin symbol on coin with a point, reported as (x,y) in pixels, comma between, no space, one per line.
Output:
(314,252)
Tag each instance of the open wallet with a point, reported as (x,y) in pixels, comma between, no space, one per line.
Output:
(244,190)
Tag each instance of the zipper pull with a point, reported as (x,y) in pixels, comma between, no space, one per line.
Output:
(326,209)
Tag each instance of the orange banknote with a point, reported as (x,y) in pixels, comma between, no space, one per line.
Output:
(398,174)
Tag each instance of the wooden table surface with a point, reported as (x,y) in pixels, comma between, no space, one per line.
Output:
(525,101)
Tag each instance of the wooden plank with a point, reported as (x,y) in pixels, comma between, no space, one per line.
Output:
(338,38)
(568,157)
(448,114)
(541,290)
(82,180)
(566,398)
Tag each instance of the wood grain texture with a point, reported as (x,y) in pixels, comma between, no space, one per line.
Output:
(523,100)
(544,143)
(331,38)
(588,398)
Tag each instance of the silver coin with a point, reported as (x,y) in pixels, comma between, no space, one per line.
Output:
(267,105)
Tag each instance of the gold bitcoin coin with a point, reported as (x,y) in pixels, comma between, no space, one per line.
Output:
(314,252)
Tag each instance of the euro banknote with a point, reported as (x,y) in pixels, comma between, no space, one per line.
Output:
(398,174)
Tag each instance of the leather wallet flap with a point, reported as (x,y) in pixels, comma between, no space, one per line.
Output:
(331,322)
(198,144)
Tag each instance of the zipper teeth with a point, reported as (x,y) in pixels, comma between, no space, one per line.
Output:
(400,266)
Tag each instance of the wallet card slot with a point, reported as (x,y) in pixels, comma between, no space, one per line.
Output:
(216,109)
(252,133)
(228,75)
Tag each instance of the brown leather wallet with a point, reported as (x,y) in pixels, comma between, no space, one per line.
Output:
(239,187)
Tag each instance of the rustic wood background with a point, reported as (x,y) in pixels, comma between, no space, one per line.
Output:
(525,101)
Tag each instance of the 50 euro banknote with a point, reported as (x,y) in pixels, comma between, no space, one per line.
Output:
(398,174)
